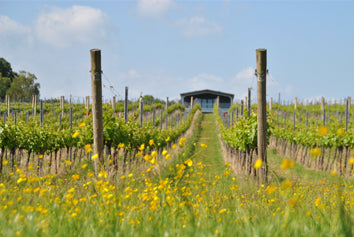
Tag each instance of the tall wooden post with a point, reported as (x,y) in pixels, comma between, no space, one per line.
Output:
(279,99)
(218,102)
(87,105)
(295,103)
(126,105)
(114,104)
(261,56)
(8,105)
(349,102)
(191,107)
(96,85)
(166,106)
(62,105)
(322,103)
(249,102)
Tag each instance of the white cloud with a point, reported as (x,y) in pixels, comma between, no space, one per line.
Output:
(205,81)
(197,26)
(247,73)
(154,7)
(12,33)
(65,27)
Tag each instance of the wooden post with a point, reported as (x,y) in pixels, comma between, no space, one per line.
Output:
(241,107)
(126,105)
(96,85)
(295,103)
(246,102)
(249,102)
(87,105)
(42,117)
(349,102)
(217,102)
(322,103)
(141,106)
(191,106)
(153,115)
(62,105)
(114,104)
(347,114)
(166,106)
(279,99)
(8,105)
(261,56)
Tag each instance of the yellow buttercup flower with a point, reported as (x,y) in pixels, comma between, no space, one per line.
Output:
(121,145)
(351,161)
(189,162)
(76,134)
(174,146)
(94,157)
(323,130)
(142,147)
(340,132)
(167,139)
(81,125)
(287,163)
(203,145)
(40,156)
(151,142)
(258,164)
(315,152)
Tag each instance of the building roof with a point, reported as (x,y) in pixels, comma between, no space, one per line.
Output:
(207,91)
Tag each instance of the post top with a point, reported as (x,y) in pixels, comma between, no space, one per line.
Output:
(94,50)
(261,50)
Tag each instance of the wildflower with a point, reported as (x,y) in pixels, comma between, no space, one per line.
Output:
(258,164)
(95,156)
(181,141)
(227,164)
(222,211)
(68,162)
(287,163)
(5,162)
(75,177)
(333,172)
(154,154)
(75,134)
(340,132)
(81,125)
(20,180)
(88,148)
(174,146)
(147,157)
(167,139)
(204,145)
(189,162)
(168,156)
(121,145)
(151,142)
(102,174)
(315,152)
(323,130)
(318,201)
(40,156)
(351,161)
(164,153)
(142,147)
(292,202)
(83,166)
(287,184)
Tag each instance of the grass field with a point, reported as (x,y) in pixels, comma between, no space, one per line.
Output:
(194,194)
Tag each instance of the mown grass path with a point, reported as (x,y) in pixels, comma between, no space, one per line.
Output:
(210,156)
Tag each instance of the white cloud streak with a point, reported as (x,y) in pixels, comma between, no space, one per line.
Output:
(197,26)
(154,8)
(66,27)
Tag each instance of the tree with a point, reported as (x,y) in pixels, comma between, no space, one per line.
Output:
(5,83)
(23,86)
(6,70)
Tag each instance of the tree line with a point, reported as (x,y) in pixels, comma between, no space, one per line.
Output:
(18,85)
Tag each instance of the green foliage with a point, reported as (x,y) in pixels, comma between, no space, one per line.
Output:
(17,86)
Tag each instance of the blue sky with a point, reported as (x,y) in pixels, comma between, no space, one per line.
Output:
(166,47)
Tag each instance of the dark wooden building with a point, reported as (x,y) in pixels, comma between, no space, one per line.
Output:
(207,99)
